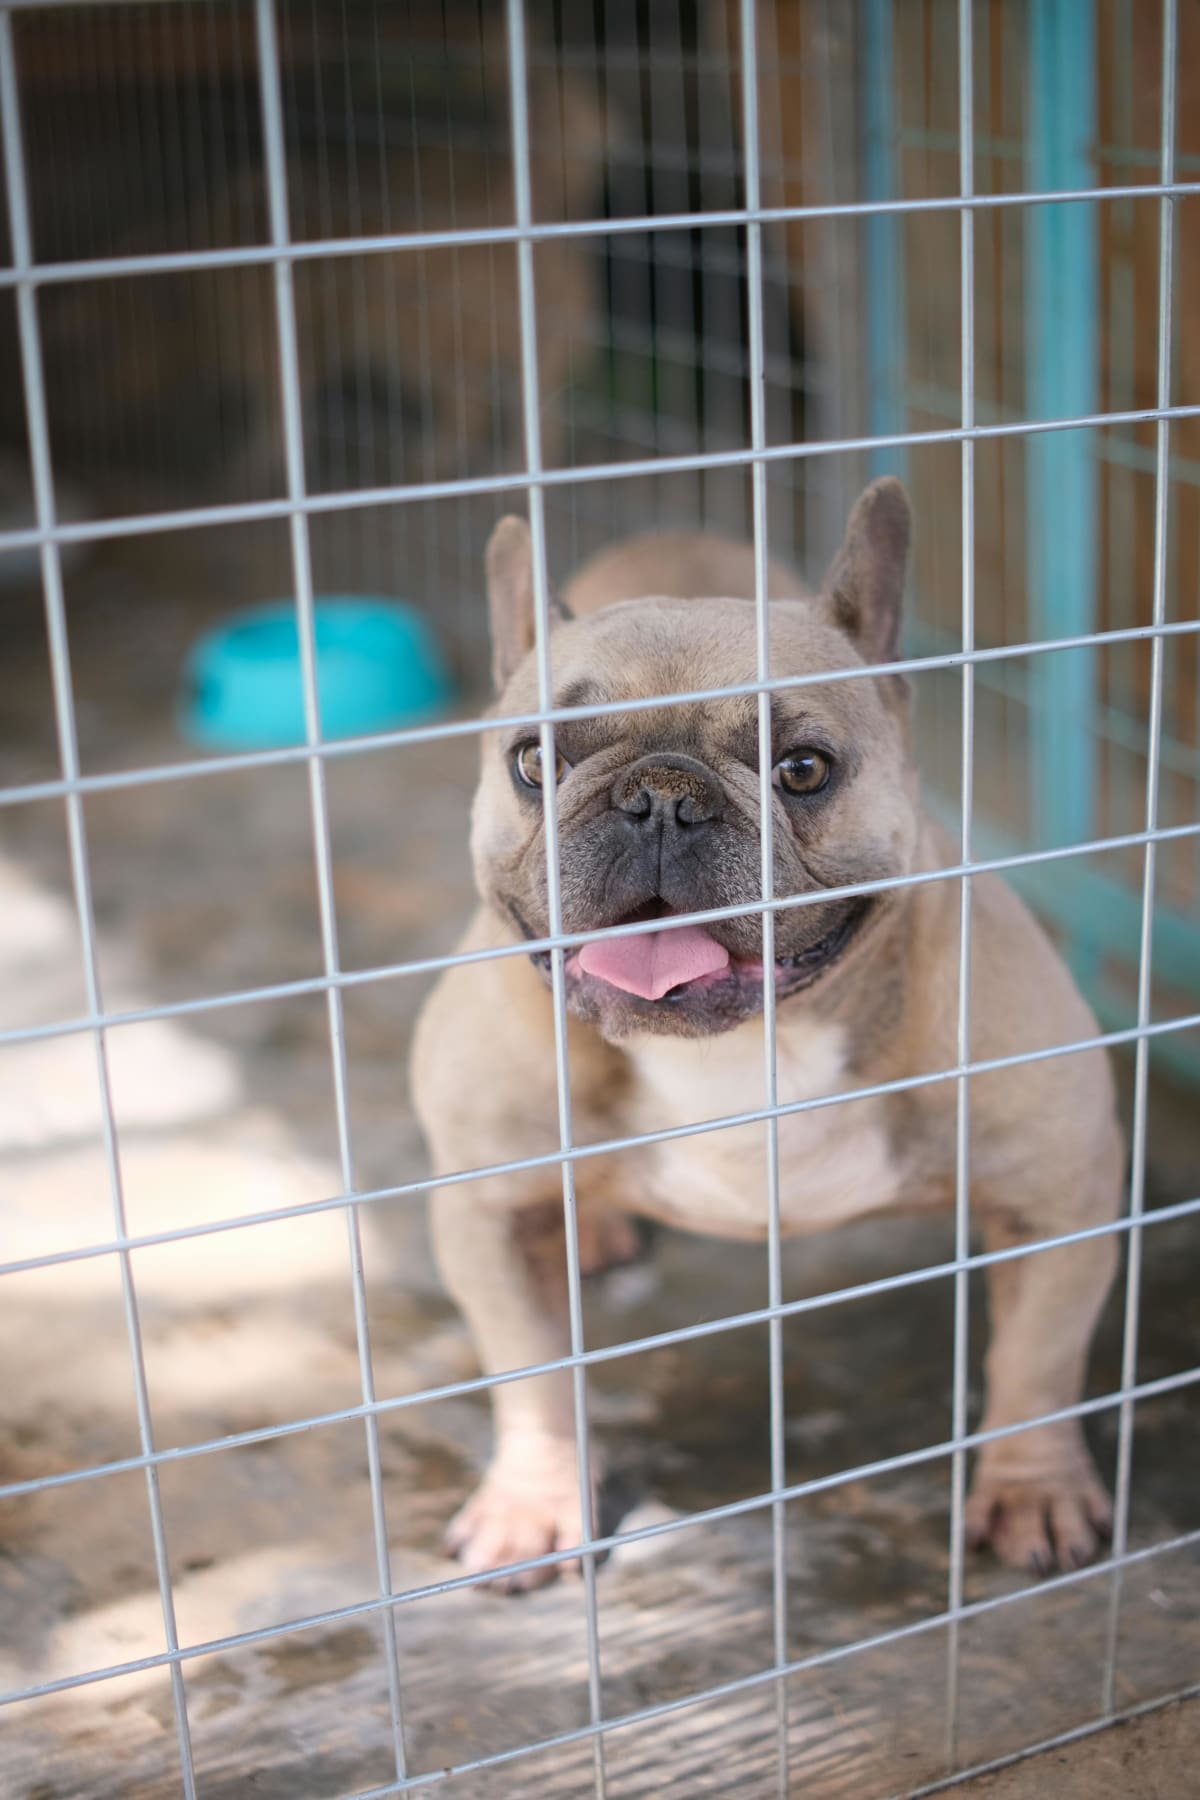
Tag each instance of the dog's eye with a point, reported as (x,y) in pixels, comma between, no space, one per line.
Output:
(802,771)
(528,765)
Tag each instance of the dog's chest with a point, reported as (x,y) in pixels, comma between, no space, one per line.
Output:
(835,1162)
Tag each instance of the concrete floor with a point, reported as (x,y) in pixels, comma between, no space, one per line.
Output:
(206,888)
(1151,1758)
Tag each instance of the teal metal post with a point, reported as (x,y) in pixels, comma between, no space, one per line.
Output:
(1062,296)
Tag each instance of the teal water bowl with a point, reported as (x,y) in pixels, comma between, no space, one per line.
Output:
(379,668)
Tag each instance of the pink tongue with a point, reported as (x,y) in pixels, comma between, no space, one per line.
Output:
(654,961)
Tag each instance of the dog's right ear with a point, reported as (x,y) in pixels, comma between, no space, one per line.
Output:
(509,564)
(865,587)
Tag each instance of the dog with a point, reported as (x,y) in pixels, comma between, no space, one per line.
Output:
(659,814)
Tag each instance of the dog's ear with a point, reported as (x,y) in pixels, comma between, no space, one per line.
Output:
(509,564)
(865,585)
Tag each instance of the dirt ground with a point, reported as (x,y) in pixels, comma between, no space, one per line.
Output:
(206,887)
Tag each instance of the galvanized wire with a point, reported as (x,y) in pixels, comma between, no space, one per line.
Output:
(275,162)
(49,536)
(110,268)
(531,407)
(748,44)
(154,774)
(637,468)
(1137,1179)
(962,1091)
(426,965)
(547,1159)
(33,381)
(908,1459)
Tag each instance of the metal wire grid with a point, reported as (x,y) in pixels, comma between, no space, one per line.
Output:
(1058,100)
(1141,1066)
(56,627)
(378,149)
(50,536)
(289,367)
(962,1119)
(542,624)
(758,438)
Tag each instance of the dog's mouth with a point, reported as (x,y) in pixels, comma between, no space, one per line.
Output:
(685,967)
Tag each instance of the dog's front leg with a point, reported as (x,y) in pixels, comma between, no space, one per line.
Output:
(501,1268)
(1036,1496)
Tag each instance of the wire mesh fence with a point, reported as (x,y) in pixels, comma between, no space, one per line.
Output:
(388,362)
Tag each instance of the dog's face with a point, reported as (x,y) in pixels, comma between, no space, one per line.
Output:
(659,809)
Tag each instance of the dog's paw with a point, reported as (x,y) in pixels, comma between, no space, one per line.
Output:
(525,1507)
(1034,1519)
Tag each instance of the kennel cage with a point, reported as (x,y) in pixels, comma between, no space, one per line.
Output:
(883,156)
(396,120)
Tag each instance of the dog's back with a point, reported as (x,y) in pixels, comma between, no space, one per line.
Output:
(678,565)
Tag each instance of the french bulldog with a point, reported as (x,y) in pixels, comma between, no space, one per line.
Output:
(659,814)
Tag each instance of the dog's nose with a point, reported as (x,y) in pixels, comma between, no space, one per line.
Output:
(667,789)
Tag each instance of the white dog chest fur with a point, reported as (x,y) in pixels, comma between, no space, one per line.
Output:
(834,1162)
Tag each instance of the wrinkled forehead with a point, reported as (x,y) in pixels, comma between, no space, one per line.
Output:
(641,649)
(658,647)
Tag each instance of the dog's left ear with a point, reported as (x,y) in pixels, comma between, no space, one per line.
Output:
(509,564)
(865,586)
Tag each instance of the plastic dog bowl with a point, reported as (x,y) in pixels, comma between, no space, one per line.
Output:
(378,668)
